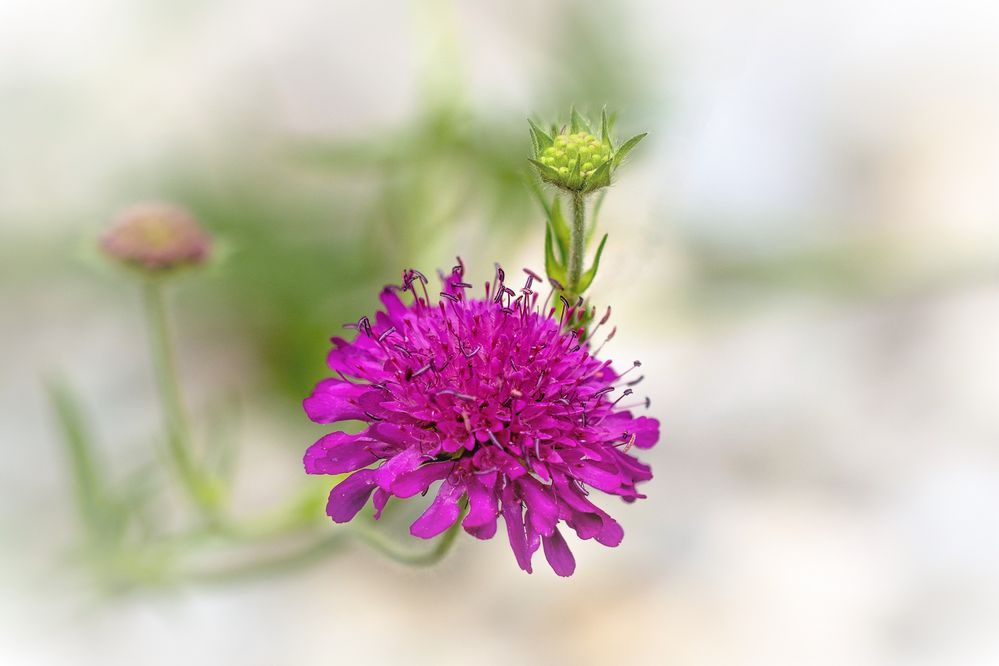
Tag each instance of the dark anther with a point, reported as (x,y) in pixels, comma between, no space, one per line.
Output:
(387,332)
(452,392)
(626,393)
(450,297)
(365,325)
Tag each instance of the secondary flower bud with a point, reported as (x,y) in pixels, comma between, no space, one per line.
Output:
(157,238)
(578,161)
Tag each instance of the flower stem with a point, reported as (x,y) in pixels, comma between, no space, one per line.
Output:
(386,546)
(318,549)
(577,244)
(174,416)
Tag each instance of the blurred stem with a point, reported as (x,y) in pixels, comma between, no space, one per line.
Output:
(320,548)
(268,566)
(174,416)
(577,244)
(397,553)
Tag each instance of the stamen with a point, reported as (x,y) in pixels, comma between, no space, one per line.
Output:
(626,393)
(606,340)
(635,364)
(452,392)
(365,325)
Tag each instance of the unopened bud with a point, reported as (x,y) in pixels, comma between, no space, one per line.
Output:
(157,238)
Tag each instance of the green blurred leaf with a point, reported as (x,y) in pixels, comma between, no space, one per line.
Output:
(103,519)
(595,215)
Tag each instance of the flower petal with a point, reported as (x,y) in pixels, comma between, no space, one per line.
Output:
(441,513)
(558,554)
(482,512)
(418,480)
(542,510)
(335,400)
(402,462)
(380,500)
(339,452)
(350,495)
(646,432)
(513,515)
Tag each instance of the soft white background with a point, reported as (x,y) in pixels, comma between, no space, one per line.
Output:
(827,485)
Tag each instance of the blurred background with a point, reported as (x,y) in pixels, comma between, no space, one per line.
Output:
(804,254)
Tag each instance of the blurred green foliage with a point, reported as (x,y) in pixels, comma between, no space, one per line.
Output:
(318,226)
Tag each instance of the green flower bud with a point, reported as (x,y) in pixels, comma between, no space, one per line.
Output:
(577,160)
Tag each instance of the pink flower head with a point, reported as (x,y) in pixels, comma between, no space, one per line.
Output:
(493,398)
(157,238)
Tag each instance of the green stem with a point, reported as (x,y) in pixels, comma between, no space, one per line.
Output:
(394,551)
(276,564)
(320,548)
(174,416)
(577,245)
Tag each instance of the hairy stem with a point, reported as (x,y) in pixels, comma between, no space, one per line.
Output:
(577,245)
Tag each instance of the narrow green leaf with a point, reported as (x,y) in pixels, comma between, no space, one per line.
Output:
(587,278)
(552,267)
(579,123)
(626,148)
(540,194)
(541,139)
(605,129)
(559,225)
(595,216)
(94,510)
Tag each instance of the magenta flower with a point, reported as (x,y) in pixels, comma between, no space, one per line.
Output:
(495,399)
